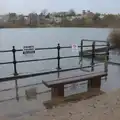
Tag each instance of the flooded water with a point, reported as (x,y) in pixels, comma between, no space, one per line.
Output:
(49,37)
(44,37)
(24,107)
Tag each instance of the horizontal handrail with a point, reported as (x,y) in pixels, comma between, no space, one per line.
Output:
(4,63)
(2,51)
(49,48)
(94,40)
(53,58)
(40,83)
(10,78)
(69,57)
(35,60)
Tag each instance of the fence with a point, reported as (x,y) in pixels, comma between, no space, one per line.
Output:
(82,54)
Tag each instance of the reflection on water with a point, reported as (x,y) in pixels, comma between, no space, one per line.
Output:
(115,56)
(111,83)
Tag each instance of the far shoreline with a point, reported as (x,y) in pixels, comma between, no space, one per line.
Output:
(60,27)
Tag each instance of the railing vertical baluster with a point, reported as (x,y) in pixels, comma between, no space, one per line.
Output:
(58,74)
(14,60)
(15,72)
(81,54)
(108,48)
(107,57)
(93,56)
(58,57)
(81,51)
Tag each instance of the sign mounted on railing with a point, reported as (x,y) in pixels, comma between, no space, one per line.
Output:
(28,50)
(75,47)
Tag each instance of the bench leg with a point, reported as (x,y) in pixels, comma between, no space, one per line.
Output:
(94,84)
(57,91)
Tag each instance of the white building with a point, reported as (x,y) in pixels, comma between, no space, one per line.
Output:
(57,19)
(4,18)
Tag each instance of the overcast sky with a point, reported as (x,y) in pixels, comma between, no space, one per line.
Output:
(27,6)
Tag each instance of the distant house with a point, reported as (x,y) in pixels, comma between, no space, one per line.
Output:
(70,18)
(57,19)
(12,18)
(61,14)
(33,19)
(4,19)
(87,14)
(26,20)
(101,16)
(77,17)
(20,19)
(90,14)
(41,19)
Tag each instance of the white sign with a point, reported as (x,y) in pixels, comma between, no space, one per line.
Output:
(75,47)
(28,49)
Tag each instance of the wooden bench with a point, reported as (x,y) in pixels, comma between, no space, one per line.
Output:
(57,86)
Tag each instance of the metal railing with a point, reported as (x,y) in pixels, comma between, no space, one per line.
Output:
(16,76)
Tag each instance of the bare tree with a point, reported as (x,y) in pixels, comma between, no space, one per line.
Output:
(44,12)
(72,12)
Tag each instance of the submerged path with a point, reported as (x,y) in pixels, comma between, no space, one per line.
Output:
(106,106)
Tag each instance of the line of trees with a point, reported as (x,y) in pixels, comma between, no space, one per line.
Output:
(84,19)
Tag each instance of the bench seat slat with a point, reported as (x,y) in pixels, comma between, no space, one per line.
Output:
(74,79)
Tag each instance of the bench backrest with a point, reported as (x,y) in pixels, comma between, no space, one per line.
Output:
(74,79)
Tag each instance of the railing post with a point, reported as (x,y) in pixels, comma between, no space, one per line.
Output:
(14,60)
(107,57)
(93,56)
(108,48)
(15,72)
(81,51)
(58,57)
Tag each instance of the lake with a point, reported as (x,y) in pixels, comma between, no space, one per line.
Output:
(44,37)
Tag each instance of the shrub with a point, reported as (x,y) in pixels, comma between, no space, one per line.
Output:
(114,38)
